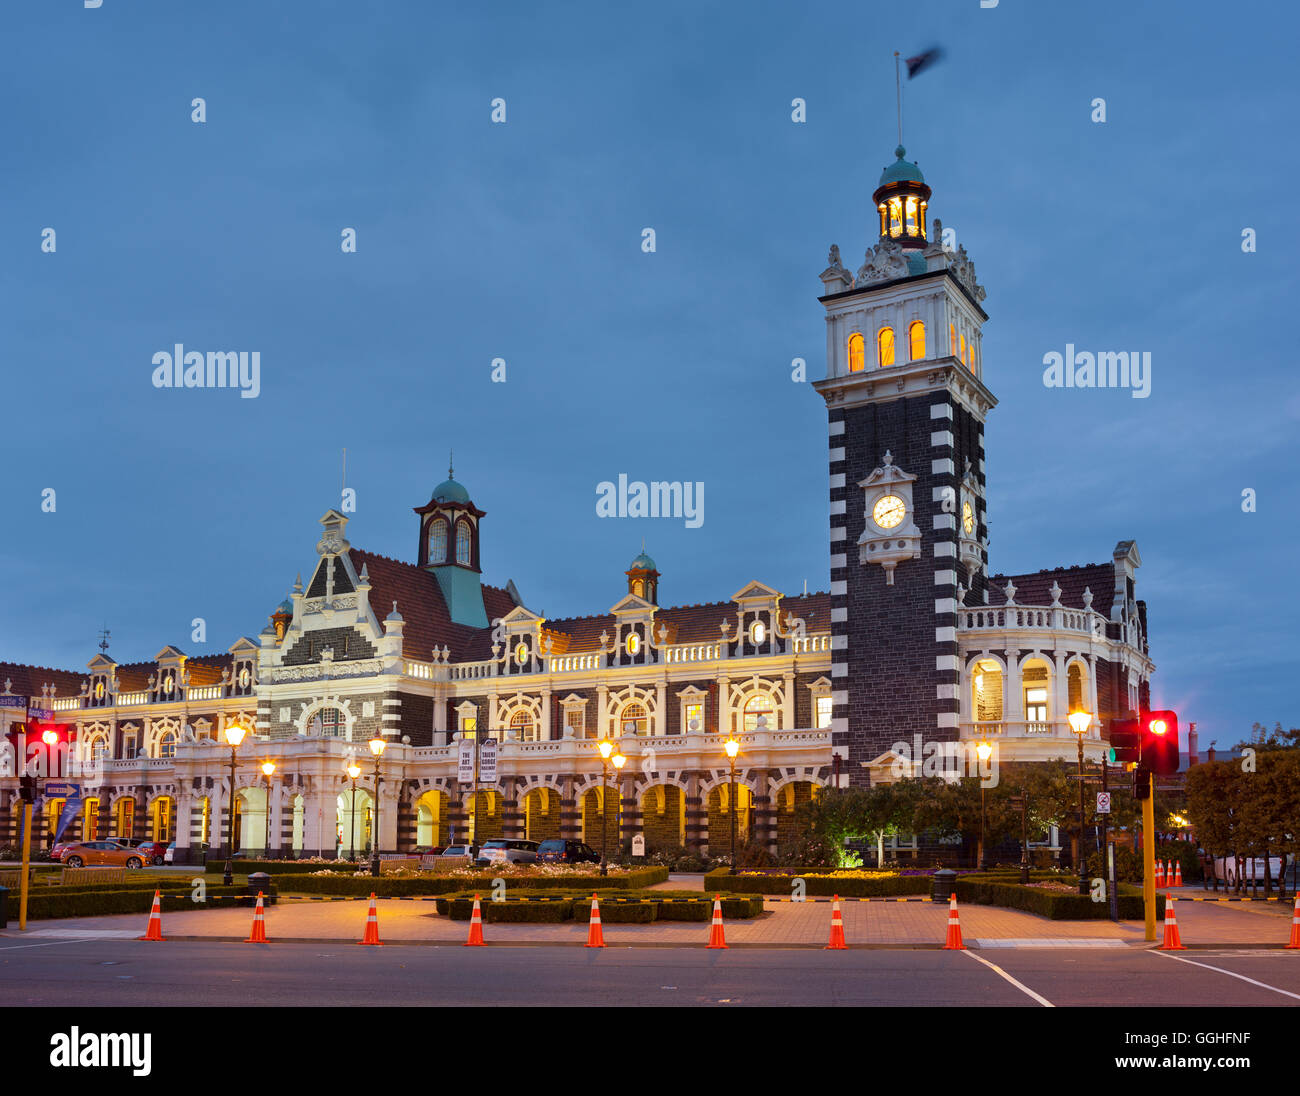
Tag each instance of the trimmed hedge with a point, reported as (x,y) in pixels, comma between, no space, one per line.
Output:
(821,886)
(641,907)
(995,890)
(281,867)
(431,884)
(71,902)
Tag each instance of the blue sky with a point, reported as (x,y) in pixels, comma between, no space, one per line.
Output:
(522,241)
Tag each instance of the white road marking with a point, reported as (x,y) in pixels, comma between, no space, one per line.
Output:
(1019,985)
(1230,973)
(47,944)
(88,934)
(1049,942)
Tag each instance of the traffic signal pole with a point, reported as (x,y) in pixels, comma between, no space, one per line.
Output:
(1149,855)
(27,860)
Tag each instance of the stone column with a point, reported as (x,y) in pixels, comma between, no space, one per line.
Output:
(512,821)
(661,708)
(631,810)
(1013,691)
(696,815)
(787,704)
(724,704)
(569,812)
(457,815)
(544,732)
(319,815)
(763,814)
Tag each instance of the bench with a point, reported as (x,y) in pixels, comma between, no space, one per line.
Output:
(12,878)
(93,875)
(397,863)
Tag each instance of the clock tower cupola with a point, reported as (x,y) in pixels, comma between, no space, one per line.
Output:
(906,404)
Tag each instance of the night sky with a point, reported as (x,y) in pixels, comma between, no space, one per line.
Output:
(522,241)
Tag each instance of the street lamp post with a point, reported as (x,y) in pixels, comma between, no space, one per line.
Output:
(606,748)
(985,751)
(353,770)
(1022,802)
(1079,723)
(377,745)
(268,767)
(51,739)
(619,760)
(732,747)
(234,736)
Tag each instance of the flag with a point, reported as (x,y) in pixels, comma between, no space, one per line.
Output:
(923,61)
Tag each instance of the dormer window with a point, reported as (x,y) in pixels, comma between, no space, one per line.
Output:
(462,542)
(438,541)
(885,347)
(857,352)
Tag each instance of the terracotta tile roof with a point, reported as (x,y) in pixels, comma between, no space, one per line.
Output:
(27,680)
(420,601)
(1035,589)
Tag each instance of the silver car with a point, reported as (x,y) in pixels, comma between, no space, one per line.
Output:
(507,850)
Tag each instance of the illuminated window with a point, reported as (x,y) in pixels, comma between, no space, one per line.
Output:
(961,342)
(438,542)
(916,338)
(759,704)
(970,361)
(99,747)
(857,352)
(952,339)
(911,216)
(694,713)
(895,217)
(1036,705)
(885,346)
(462,542)
(331,722)
(884,218)
(633,719)
(823,720)
(167,745)
(924,206)
(523,725)
(575,716)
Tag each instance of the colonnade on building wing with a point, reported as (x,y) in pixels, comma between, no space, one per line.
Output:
(313,815)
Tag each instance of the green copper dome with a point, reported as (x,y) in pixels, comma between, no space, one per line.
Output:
(643,563)
(901,171)
(450,491)
(286,606)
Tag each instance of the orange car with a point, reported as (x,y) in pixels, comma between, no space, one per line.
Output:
(102,852)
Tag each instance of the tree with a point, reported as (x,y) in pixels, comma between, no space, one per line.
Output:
(1262,739)
(1212,795)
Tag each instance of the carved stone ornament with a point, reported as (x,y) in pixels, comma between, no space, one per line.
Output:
(964,271)
(886,261)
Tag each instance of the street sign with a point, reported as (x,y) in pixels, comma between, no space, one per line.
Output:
(46,714)
(465,762)
(487,761)
(13,701)
(57,789)
(1103,802)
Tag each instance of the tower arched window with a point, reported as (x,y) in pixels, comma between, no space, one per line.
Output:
(462,542)
(895,217)
(916,341)
(857,352)
(885,347)
(167,744)
(952,340)
(330,723)
(961,342)
(438,541)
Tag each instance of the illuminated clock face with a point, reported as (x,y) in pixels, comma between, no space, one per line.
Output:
(521,654)
(967,518)
(889,511)
(244,678)
(633,643)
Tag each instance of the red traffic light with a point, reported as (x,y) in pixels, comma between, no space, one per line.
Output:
(1160,742)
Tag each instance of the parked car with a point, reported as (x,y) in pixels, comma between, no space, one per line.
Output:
(456,855)
(102,852)
(506,850)
(559,850)
(57,852)
(154,852)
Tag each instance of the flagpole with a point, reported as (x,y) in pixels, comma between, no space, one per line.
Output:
(898,86)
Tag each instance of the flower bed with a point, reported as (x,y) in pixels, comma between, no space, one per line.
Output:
(1050,897)
(520,877)
(635,907)
(821,883)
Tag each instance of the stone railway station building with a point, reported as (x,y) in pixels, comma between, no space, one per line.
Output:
(915,643)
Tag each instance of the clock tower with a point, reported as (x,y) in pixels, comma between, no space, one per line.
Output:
(906,404)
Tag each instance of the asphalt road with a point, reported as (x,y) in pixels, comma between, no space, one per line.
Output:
(118,972)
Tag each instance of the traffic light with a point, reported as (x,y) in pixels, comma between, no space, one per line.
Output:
(27,789)
(1159,742)
(1141,784)
(1125,742)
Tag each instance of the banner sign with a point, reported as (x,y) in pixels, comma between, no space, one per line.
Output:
(487,761)
(70,810)
(465,762)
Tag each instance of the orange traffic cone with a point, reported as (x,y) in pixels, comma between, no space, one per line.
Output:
(258,935)
(154,929)
(475,927)
(372,925)
(837,928)
(953,942)
(1173,942)
(595,938)
(1178,873)
(1295,924)
(1160,874)
(717,938)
